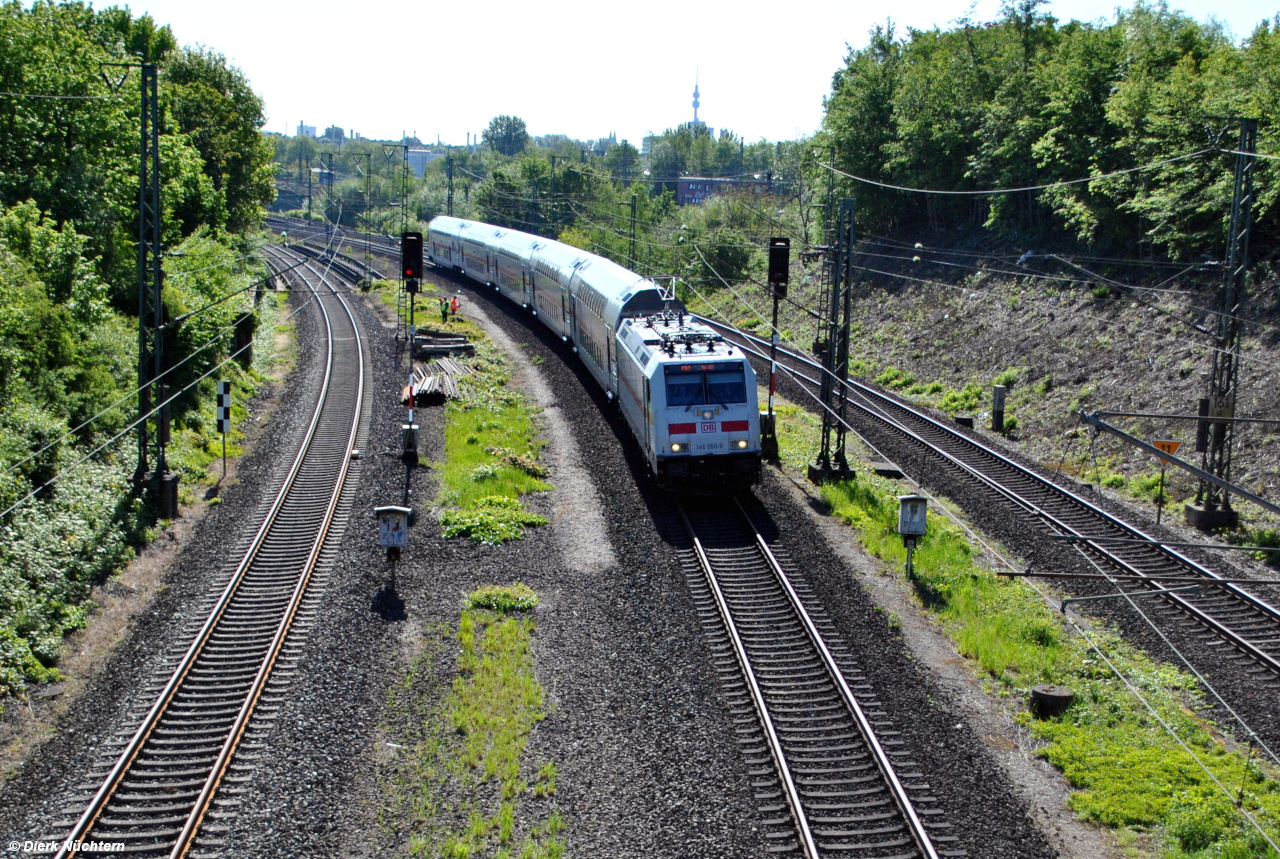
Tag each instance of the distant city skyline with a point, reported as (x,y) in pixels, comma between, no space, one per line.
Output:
(416,69)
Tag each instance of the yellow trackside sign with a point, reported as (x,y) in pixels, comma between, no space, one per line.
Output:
(1167,445)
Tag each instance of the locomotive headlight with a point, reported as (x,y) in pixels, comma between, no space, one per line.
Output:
(742,444)
(707,415)
(676,447)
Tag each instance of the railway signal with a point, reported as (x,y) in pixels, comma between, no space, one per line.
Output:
(779,275)
(779,265)
(411,259)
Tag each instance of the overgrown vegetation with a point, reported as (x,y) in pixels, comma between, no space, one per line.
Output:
(491,448)
(68,297)
(1128,771)
(463,784)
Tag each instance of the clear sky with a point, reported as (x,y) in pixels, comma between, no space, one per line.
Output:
(583,69)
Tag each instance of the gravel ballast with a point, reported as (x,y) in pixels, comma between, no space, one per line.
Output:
(637,727)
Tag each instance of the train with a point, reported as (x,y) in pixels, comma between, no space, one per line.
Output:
(687,395)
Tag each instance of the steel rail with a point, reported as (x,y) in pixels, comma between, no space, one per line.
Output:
(790,790)
(875,408)
(187,836)
(111,782)
(881,758)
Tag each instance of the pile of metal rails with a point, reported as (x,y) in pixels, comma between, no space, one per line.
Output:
(436,383)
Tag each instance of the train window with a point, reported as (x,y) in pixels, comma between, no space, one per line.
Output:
(723,385)
(685,390)
(727,387)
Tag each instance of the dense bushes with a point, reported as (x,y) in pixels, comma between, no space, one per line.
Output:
(68,293)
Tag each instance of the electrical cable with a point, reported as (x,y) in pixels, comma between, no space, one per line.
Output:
(1242,358)
(1181,657)
(1093,646)
(173,323)
(215,340)
(1130,686)
(997,191)
(21,501)
(8,94)
(920,246)
(1250,154)
(178,275)
(788,300)
(1135,292)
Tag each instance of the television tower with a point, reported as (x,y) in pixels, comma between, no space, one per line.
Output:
(695,99)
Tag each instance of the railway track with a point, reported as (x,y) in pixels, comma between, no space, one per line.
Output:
(156,790)
(827,767)
(300,229)
(1231,613)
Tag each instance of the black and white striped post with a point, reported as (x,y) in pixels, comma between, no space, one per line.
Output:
(224,419)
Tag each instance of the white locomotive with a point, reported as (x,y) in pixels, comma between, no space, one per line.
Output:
(688,396)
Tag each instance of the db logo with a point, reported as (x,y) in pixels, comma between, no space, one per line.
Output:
(711,427)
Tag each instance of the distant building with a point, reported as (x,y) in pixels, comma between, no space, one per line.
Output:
(420,158)
(648,142)
(601,146)
(306,130)
(334,133)
(694,190)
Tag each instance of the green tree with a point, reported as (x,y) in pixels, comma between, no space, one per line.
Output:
(665,161)
(507,135)
(214,106)
(75,157)
(860,124)
(1075,81)
(135,37)
(623,162)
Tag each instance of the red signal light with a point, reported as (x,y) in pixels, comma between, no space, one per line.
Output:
(411,255)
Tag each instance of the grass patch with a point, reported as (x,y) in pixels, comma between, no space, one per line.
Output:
(926,389)
(490,520)
(1148,488)
(464,786)
(491,450)
(1127,771)
(896,379)
(1266,538)
(503,598)
(967,399)
(1009,377)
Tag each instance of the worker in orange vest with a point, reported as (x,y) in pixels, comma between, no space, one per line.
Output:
(453,306)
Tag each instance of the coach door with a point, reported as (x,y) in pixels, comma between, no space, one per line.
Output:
(566,313)
(648,418)
(611,363)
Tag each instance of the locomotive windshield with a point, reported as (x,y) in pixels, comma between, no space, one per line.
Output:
(705,384)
